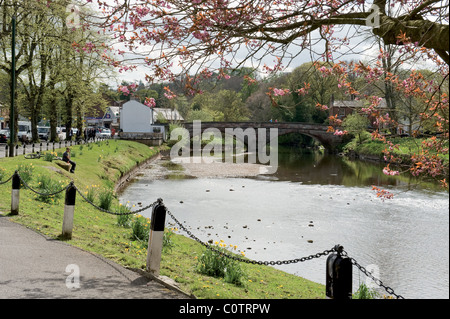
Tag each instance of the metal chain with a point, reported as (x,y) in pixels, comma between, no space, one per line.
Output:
(248,261)
(114,213)
(39,193)
(4,182)
(369,274)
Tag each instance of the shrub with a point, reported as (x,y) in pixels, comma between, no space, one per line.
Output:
(91,192)
(26,172)
(105,198)
(140,228)
(123,220)
(49,156)
(46,185)
(365,292)
(216,264)
(167,239)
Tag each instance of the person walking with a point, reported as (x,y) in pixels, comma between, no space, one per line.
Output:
(66,158)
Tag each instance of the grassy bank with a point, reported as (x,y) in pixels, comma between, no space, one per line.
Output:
(374,149)
(99,167)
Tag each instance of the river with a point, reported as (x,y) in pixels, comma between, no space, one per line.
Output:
(312,203)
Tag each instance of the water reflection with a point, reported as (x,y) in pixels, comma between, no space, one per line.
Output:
(325,169)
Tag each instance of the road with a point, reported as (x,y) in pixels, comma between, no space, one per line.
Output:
(33,266)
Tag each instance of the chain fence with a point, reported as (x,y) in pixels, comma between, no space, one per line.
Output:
(114,213)
(4,182)
(336,249)
(40,193)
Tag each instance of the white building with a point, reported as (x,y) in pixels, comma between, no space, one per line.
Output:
(136,117)
(136,122)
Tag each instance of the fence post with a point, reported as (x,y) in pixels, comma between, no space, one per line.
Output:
(15,194)
(69,209)
(339,275)
(155,239)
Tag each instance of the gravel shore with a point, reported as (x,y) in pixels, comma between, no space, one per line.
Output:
(217,168)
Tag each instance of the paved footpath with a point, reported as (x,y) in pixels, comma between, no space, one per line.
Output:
(33,266)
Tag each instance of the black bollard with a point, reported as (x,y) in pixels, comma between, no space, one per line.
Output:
(155,239)
(338,275)
(15,194)
(69,209)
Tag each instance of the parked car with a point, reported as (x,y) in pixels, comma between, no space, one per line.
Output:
(103,133)
(24,131)
(43,132)
(4,135)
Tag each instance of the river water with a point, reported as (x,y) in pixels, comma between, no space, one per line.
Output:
(312,203)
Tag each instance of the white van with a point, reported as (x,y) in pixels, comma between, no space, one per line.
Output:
(43,132)
(24,131)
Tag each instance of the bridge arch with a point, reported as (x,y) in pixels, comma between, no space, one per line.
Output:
(317,131)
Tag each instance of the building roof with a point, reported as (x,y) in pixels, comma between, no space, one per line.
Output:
(168,114)
(355,104)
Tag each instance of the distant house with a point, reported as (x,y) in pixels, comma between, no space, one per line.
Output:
(343,108)
(167,115)
(136,117)
(111,118)
(136,123)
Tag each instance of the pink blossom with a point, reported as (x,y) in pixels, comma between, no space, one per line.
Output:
(150,102)
(339,132)
(388,171)
(280,92)
(124,89)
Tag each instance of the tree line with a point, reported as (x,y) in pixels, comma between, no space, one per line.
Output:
(59,61)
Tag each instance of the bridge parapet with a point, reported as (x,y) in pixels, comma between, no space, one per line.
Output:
(316,131)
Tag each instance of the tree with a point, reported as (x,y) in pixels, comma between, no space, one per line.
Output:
(356,124)
(56,61)
(24,43)
(210,34)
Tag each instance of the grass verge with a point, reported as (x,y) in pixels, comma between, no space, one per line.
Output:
(99,167)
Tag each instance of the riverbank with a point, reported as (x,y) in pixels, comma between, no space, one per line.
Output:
(100,166)
(373,150)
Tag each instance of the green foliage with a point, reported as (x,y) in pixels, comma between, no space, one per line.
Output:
(49,156)
(105,198)
(365,292)
(3,173)
(140,229)
(215,264)
(168,242)
(46,185)
(356,124)
(123,219)
(26,172)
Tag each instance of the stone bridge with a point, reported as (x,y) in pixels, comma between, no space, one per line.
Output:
(316,131)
